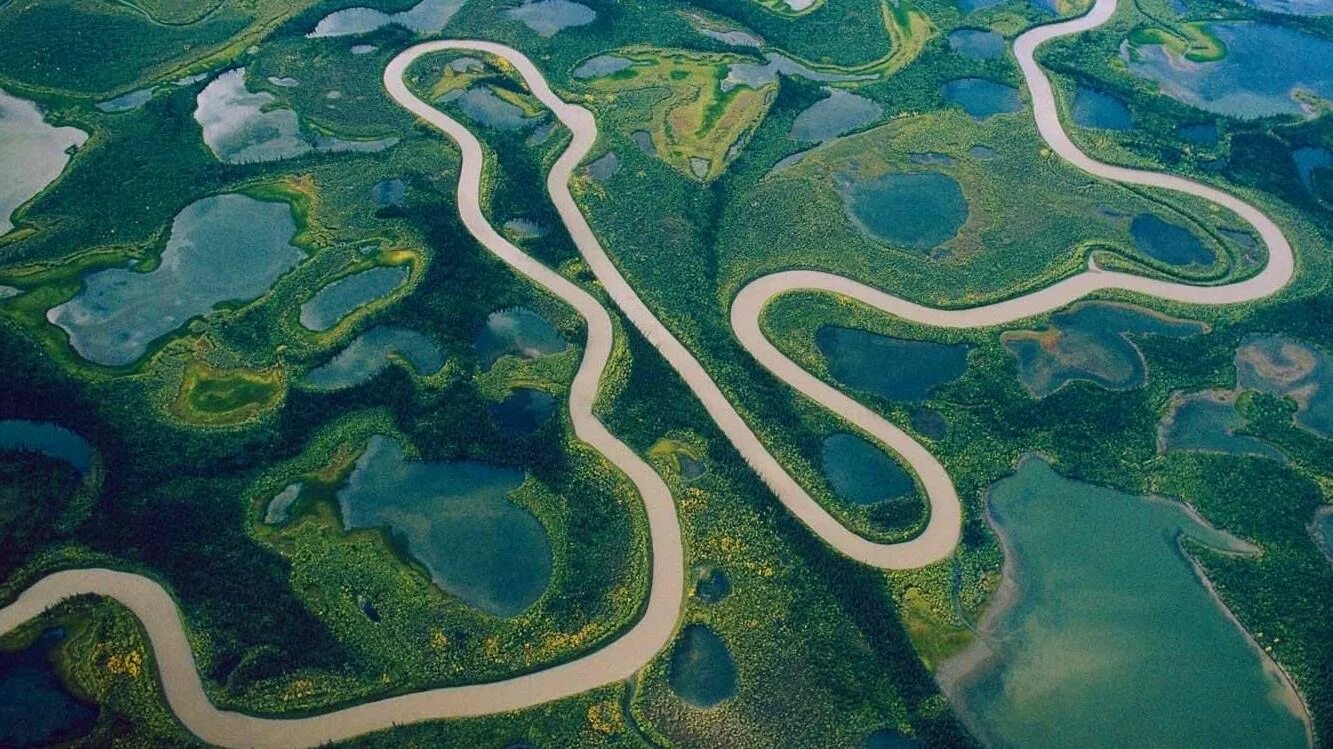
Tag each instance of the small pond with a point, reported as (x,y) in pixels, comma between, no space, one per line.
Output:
(914,210)
(1322,530)
(48,439)
(1309,159)
(126,102)
(757,75)
(1100,110)
(1207,422)
(1290,368)
(896,368)
(548,17)
(890,738)
(702,672)
(35,707)
(1250,81)
(982,97)
(523,411)
(977,44)
(370,353)
(279,508)
(601,66)
(222,249)
(336,301)
(517,331)
(484,107)
(713,585)
(1168,242)
(1091,341)
(1104,617)
(456,519)
(860,472)
(426,17)
(1199,133)
(33,152)
(838,113)
(242,127)
(391,193)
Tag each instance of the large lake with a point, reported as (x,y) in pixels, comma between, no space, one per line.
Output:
(33,153)
(1109,638)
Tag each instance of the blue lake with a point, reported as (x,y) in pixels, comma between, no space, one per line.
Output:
(456,519)
(227,248)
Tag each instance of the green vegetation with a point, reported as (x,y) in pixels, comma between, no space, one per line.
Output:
(195,439)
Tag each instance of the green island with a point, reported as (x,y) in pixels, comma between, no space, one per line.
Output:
(667,373)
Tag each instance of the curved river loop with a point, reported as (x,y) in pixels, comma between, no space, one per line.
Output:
(619,660)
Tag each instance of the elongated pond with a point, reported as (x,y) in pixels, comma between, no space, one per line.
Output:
(331,304)
(1104,618)
(457,520)
(371,352)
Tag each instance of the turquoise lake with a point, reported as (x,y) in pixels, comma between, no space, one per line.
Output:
(860,472)
(1107,618)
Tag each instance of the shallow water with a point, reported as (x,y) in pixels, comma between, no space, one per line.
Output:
(1250,81)
(339,299)
(1293,7)
(35,707)
(896,368)
(977,44)
(1287,367)
(601,66)
(1110,620)
(546,18)
(702,672)
(1090,342)
(126,102)
(1322,529)
(918,210)
(279,509)
(713,585)
(456,519)
(838,113)
(242,127)
(981,97)
(1207,422)
(221,249)
(391,193)
(606,166)
(523,411)
(371,352)
(482,105)
(48,439)
(426,17)
(1168,242)
(517,331)
(1100,110)
(33,152)
(861,473)
(758,75)
(967,6)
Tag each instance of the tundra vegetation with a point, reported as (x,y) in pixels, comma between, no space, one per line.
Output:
(220,454)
